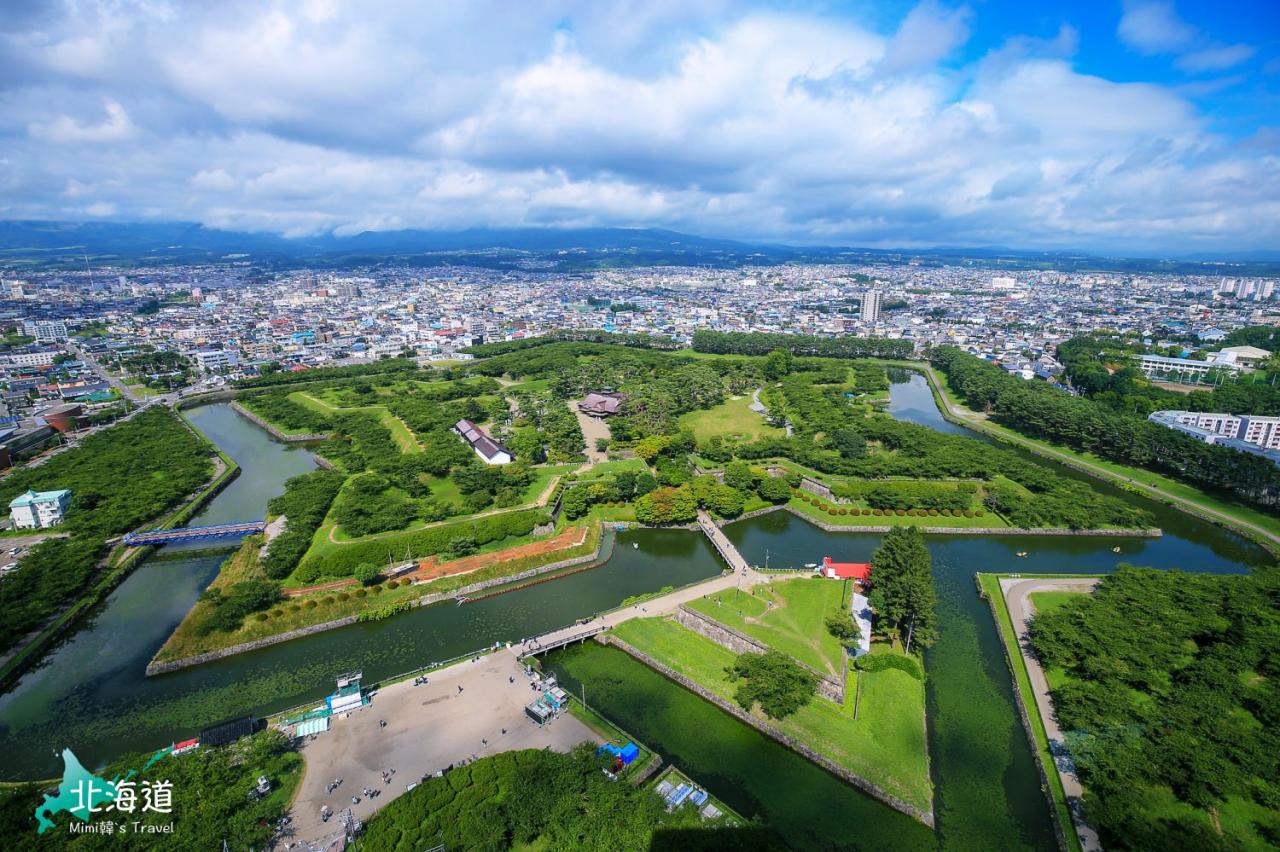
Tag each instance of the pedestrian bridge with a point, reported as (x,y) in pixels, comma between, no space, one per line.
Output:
(194,533)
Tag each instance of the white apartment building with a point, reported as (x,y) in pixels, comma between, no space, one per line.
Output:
(33,357)
(871,306)
(213,360)
(1214,428)
(45,331)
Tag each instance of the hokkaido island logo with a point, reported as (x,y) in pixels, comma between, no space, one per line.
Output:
(83,794)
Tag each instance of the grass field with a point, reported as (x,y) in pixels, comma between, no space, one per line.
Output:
(885,744)
(1049,601)
(787,615)
(732,419)
(990,586)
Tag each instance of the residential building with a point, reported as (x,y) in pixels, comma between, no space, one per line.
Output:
(871,307)
(39,509)
(45,331)
(601,403)
(213,360)
(1215,428)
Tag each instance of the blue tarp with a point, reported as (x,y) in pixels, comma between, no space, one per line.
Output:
(629,753)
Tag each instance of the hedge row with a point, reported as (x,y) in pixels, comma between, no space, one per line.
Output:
(880,513)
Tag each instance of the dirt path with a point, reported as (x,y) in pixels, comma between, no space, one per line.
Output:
(1017,597)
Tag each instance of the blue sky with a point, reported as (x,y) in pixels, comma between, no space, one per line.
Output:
(1136,126)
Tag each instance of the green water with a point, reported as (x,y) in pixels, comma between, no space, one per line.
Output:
(751,773)
(91,693)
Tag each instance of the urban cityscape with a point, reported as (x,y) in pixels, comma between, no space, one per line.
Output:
(640,427)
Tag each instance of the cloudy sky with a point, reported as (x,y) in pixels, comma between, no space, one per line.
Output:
(1144,126)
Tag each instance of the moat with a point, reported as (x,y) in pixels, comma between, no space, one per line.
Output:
(91,694)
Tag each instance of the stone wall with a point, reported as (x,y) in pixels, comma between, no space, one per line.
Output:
(769,730)
(813,486)
(155,668)
(725,636)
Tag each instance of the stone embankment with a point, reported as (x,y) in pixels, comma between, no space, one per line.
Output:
(829,687)
(1154,532)
(924,816)
(158,668)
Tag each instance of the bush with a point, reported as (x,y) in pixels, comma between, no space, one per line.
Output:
(780,684)
(979,513)
(900,512)
(276,613)
(377,590)
(311,604)
(360,593)
(366,573)
(880,662)
(328,600)
(343,596)
(294,608)
(262,616)
(934,512)
(968,513)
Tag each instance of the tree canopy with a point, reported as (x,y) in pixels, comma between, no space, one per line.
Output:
(902,594)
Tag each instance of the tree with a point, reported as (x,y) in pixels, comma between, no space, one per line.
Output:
(778,363)
(738,475)
(667,506)
(775,489)
(841,625)
(903,594)
(779,684)
(367,573)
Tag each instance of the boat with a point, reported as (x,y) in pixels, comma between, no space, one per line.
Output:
(1115,550)
(1021,554)
(635,545)
(811,564)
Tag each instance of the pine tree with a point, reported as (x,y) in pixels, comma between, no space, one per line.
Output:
(903,594)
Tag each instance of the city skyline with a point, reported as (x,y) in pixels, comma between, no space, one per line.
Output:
(1139,128)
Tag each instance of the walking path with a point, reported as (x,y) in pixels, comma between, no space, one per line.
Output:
(1021,609)
(593,428)
(974,420)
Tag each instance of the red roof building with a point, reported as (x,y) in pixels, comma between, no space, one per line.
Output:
(860,571)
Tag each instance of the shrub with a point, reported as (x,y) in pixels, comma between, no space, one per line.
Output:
(311,604)
(933,513)
(294,608)
(343,596)
(328,600)
(900,512)
(360,593)
(377,590)
(880,662)
(968,513)
(877,512)
(262,616)
(276,613)
(866,512)
(979,513)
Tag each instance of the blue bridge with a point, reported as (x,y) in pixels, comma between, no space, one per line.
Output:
(194,533)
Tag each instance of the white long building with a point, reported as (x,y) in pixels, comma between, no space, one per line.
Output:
(1216,428)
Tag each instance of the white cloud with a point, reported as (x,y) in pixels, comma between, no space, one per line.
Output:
(1218,58)
(64,130)
(1153,26)
(315,116)
(928,34)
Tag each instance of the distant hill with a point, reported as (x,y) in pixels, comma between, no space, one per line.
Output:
(43,244)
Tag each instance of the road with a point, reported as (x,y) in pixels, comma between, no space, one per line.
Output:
(1017,598)
(974,421)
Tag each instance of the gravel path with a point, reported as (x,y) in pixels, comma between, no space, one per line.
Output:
(1017,597)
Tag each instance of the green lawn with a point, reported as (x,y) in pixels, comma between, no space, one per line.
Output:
(611,468)
(885,744)
(1049,601)
(732,419)
(990,586)
(787,615)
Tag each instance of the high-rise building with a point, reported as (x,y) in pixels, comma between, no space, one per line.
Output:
(871,306)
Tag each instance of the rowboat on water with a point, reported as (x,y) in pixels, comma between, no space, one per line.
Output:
(1021,554)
